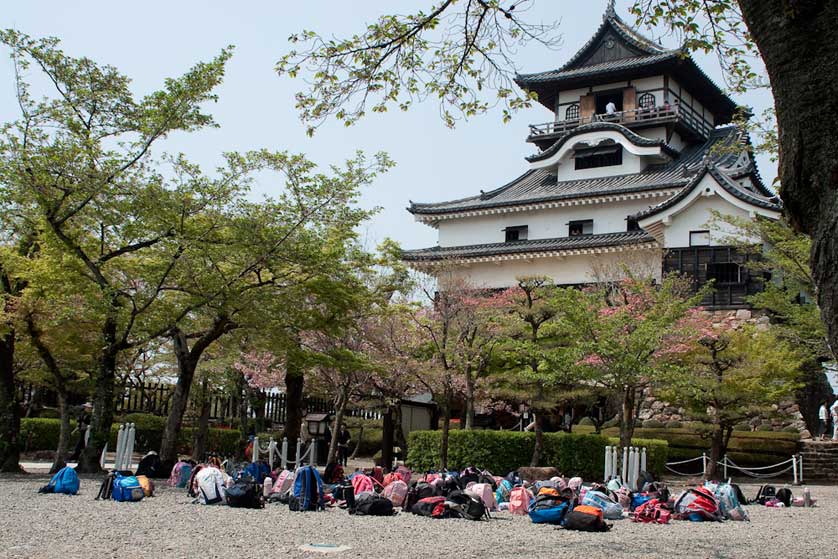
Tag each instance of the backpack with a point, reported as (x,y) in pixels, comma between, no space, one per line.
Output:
(585,519)
(151,466)
(469,475)
(308,490)
(257,471)
(697,504)
(421,490)
(462,505)
(503,491)
(405,473)
(344,492)
(484,492)
(610,509)
(396,492)
(126,488)
(729,505)
(548,507)
(433,507)
(244,494)
(784,496)
(765,493)
(147,485)
(519,500)
(284,482)
(209,485)
(65,480)
(181,472)
(652,511)
(370,503)
(487,478)
(362,483)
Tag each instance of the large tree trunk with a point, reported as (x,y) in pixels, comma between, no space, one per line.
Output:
(539,440)
(199,441)
(103,401)
(716,450)
(798,40)
(443,444)
(187,363)
(398,429)
(63,431)
(244,415)
(9,411)
(627,419)
(387,440)
(294,402)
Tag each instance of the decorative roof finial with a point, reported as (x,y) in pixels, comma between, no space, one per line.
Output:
(610,12)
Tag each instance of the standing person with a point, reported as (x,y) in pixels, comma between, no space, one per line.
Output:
(343,445)
(834,410)
(82,425)
(823,418)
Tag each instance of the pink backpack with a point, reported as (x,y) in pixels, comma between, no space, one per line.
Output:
(483,491)
(396,492)
(405,474)
(361,483)
(174,478)
(284,481)
(519,501)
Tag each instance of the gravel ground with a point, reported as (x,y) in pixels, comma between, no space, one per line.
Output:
(168,525)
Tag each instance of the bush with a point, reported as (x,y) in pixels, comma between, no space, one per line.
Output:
(790,429)
(741,427)
(611,423)
(49,413)
(504,451)
(653,424)
(765,427)
(674,424)
(587,421)
(39,433)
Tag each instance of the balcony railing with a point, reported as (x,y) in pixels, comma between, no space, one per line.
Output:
(651,115)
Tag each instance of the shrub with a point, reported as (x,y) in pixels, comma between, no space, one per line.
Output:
(765,427)
(653,424)
(49,413)
(611,423)
(586,421)
(39,433)
(739,427)
(504,451)
(674,424)
(790,429)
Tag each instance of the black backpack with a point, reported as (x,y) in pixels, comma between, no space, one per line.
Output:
(106,488)
(465,506)
(487,478)
(245,495)
(765,493)
(372,504)
(584,522)
(427,506)
(151,466)
(784,496)
(739,495)
(345,492)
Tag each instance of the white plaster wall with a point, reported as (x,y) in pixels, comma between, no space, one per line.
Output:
(688,99)
(697,217)
(543,224)
(563,271)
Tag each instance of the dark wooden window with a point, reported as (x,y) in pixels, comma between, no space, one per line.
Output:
(602,100)
(581,227)
(724,272)
(572,112)
(631,224)
(699,238)
(517,233)
(646,101)
(598,157)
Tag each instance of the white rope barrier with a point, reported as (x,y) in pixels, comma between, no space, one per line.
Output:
(795,467)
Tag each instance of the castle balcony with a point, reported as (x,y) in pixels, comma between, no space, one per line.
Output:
(688,122)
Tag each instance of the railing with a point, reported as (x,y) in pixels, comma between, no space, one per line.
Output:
(651,115)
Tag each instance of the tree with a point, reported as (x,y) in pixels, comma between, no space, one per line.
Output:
(788,298)
(534,354)
(730,376)
(629,335)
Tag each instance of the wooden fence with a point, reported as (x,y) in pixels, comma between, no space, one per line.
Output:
(155,398)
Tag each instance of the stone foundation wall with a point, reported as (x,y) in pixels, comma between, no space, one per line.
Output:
(786,414)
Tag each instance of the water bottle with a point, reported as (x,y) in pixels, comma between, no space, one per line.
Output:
(807,497)
(267,487)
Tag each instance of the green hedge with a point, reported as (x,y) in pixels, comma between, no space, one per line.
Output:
(42,434)
(504,451)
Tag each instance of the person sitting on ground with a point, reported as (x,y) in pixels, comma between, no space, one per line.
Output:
(83,424)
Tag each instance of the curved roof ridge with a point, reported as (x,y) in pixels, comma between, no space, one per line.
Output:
(630,135)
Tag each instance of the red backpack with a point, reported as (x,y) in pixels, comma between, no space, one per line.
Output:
(652,511)
(697,503)
(433,507)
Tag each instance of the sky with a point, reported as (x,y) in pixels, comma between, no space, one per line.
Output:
(151,40)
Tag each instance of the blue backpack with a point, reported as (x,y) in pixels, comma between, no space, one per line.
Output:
(308,490)
(185,475)
(126,488)
(66,480)
(258,471)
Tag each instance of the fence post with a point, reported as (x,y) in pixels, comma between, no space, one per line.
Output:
(271,449)
(254,455)
(794,468)
(643,460)
(120,447)
(299,444)
(635,471)
(607,464)
(312,458)
(703,463)
(284,455)
(724,463)
(624,469)
(129,447)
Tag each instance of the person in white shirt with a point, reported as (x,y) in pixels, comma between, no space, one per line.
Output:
(610,108)
(823,418)
(834,411)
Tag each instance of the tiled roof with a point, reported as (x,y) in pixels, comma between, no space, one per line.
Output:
(730,186)
(525,80)
(634,138)
(528,247)
(537,186)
